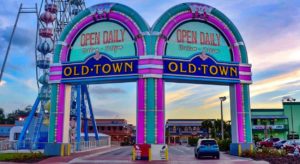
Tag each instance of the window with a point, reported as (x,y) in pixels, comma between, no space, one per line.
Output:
(114,128)
(16,136)
(90,128)
(254,121)
(108,128)
(102,128)
(272,122)
(120,128)
(208,142)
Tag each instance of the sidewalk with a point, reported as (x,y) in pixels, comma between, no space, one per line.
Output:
(66,159)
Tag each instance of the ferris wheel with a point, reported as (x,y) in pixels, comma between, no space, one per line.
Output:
(52,17)
(56,15)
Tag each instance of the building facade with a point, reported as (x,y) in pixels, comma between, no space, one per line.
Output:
(119,130)
(268,123)
(178,131)
(4,130)
(292,111)
(283,123)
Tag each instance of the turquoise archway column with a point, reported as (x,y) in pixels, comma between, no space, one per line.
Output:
(150,111)
(150,114)
(247,113)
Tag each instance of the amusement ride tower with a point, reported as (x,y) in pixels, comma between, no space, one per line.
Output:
(52,17)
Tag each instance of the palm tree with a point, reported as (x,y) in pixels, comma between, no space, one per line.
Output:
(207,125)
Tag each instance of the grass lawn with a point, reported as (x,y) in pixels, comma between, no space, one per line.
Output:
(8,156)
(22,157)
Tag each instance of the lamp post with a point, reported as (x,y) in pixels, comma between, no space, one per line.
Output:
(222,125)
(290,99)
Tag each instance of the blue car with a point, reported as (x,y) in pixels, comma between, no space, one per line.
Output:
(207,147)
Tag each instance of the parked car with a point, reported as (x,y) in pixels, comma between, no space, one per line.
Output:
(279,144)
(291,145)
(207,147)
(267,142)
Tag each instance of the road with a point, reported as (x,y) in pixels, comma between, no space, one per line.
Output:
(177,155)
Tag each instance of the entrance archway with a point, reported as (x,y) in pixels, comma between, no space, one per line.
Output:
(190,43)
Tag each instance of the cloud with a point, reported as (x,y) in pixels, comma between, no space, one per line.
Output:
(23,36)
(275,83)
(2,83)
(100,90)
(179,94)
(4,22)
(105,113)
(288,94)
(28,83)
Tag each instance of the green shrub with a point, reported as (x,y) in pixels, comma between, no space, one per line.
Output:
(224,145)
(264,153)
(193,141)
(22,157)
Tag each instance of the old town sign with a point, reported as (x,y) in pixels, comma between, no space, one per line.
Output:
(201,65)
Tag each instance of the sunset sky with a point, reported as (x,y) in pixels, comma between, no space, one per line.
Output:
(270,30)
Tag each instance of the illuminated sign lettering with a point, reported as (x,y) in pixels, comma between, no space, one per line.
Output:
(192,37)
(107,37)
(100,65)
(201,66)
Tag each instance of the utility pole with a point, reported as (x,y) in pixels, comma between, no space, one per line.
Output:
(222,124)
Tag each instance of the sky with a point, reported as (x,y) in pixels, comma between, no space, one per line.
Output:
(270,30)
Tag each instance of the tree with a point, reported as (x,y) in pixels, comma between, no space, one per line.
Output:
(14,115)
(227,128)
(2,116)
(207,125)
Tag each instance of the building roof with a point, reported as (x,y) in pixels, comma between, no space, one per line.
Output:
(268,116)
(186,122)
(267,110)
(111,119)
(291,103)
(7,125)
(104,124)
(190,119)
(178,124)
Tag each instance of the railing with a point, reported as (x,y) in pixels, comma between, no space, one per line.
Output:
(15,146)
(87,145)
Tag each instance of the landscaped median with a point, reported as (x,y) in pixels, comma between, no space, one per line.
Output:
(274,156)
(22,157)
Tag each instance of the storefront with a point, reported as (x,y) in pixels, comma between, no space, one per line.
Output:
(268,123)
(179,131)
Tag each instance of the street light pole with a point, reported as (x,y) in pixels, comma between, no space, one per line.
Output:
(222,124)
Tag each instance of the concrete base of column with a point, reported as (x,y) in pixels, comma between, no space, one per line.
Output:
(57,149)
(237,148)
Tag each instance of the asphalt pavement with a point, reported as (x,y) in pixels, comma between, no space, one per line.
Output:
(177,155)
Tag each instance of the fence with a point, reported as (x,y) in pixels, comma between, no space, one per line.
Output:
(87,145)
(15,146)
